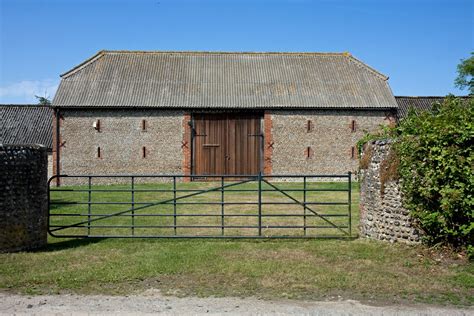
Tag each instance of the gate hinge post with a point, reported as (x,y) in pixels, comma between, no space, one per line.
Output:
(350,202)
(260,203)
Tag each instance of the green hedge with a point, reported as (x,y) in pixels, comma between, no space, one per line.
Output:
(436,166)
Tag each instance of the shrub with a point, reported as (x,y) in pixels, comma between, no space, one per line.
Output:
(434,158)
(437,168)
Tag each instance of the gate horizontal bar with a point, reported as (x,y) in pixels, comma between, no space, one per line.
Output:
(210,236)
(196,203)
(203,176)
(204,215)
(195,226)
(191,190)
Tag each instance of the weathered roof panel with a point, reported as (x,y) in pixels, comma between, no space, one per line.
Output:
(223,80)
(421,103)
(26,124)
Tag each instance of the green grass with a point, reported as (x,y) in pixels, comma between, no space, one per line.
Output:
(366,270)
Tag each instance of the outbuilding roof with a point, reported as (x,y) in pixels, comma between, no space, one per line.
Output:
(26,124)
(422,103)
(223,80)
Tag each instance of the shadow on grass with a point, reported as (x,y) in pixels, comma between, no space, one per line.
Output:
(81,242)
(54,204)
(69,244)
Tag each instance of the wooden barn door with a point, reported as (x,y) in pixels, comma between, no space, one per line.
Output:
(209,144)
(227,144)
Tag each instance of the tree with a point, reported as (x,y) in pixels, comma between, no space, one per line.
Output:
(43,100)
(465,78)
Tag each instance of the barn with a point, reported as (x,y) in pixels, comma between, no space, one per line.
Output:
(27,124)
(202,113)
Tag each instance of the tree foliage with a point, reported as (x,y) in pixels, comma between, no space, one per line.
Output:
(436,151)
(43,100)
(465,78)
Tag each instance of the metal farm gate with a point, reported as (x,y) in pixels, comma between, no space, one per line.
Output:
(168,206)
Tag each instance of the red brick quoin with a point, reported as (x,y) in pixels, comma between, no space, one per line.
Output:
(186,146)
(268,146)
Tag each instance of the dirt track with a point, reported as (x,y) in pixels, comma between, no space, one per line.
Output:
(153,303)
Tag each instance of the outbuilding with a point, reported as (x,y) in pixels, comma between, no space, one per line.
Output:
(22,124)
(201,113)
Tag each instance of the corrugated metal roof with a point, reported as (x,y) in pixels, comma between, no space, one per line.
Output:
(418,104)
(223,80)
(26,124)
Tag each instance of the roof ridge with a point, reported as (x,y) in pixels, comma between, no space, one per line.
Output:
(219,52)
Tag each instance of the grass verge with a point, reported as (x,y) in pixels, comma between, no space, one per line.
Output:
(369,271)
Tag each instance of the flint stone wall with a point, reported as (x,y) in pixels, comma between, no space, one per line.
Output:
(331,140)
(121,140)
(23,200)
(382,215)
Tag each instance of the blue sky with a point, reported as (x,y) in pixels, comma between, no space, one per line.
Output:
(417,43)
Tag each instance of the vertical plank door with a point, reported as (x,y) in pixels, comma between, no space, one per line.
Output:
(228,143)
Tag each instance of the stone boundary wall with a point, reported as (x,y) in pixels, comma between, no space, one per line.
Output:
(382,215)
(24,197)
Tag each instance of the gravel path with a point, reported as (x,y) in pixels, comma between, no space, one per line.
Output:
(154,303)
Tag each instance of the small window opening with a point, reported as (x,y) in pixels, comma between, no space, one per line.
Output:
(97,125)
(143,125)
(99,154)
(143,152)
(353,126)
(309,126)
(353,152)
(308,152)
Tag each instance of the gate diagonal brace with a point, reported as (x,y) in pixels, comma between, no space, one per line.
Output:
(152,204)
(306,207)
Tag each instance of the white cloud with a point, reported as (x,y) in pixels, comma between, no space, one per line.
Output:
(25,91)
